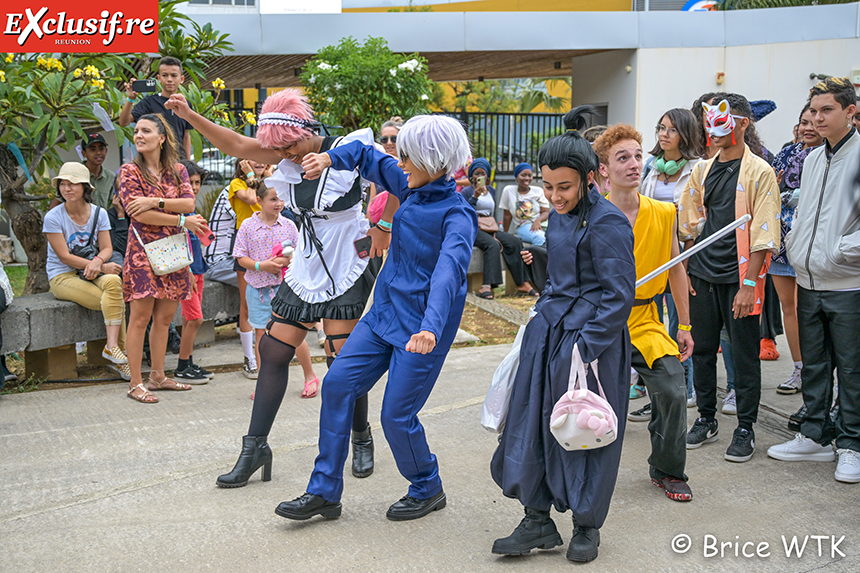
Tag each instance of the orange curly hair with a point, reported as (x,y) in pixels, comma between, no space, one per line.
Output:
(616,133)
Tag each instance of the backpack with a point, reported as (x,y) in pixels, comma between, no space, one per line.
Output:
(222,222)
(581,419)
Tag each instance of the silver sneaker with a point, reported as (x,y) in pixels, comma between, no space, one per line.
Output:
(249,370)
(792,385)
(730,404)
(691,401)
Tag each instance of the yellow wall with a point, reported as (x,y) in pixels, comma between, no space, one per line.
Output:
(521,6)
(558,88)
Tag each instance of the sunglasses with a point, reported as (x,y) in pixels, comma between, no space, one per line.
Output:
(386,139)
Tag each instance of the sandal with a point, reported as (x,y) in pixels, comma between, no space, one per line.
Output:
(306,393)
(146,398)
(531,293)
(167,384)
(485,294)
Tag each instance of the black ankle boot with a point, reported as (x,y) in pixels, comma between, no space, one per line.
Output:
(583,545)
(256,453)
(362,453)
(536,531)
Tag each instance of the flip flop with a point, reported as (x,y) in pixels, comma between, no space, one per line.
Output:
(306,393)
(531,293)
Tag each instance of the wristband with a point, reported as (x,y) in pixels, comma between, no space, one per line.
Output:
(257,266)
(749,283)
(182,220)
(384,224)
(685,327)
(99,258)
(251,176)
(129,100)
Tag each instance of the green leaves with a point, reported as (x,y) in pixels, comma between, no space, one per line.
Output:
(358,85)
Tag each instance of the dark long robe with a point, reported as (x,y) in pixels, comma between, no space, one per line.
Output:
(587,300)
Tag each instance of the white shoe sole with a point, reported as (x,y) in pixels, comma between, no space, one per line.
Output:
(817,457)
(787,391)
(739,459)
(249,375)
(710,440)
(108,356)
(853,478)
(729,411)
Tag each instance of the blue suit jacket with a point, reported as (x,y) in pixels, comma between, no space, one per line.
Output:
(422,285)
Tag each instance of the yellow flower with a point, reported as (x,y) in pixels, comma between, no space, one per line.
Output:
(92,71)
(41,62)
(249,118)
(78,72)
(219,84)
(57,65)
(95,83)
(9,58)
(2,76)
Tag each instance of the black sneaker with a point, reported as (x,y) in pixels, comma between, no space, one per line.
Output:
(796,419)
(742,447)
(190,375)
(702,432)
(203,371)
(643,414)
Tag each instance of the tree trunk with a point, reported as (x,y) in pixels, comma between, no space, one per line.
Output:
(27,226)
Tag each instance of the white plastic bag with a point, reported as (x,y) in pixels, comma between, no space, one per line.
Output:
(581,419)
(494,414)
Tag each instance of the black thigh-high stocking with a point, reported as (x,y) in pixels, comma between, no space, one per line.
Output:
(272,379)
(359,416)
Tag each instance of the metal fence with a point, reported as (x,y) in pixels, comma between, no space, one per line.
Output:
(507,139)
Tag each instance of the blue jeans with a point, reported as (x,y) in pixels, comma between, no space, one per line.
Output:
(525,233)
(726,347)
(673,331)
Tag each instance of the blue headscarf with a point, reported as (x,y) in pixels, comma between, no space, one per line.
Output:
(522,167)
(482,163)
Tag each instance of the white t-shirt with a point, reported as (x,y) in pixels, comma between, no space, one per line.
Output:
(664,191)
(57,220)
(524,207)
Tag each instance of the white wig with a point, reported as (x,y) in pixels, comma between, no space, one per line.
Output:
(434,143)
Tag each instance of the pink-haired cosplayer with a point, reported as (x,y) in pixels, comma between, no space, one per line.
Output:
(326,281)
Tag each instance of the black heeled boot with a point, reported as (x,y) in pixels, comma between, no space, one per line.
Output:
(256,453)
(362,453)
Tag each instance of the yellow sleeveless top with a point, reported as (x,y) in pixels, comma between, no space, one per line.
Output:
(652,247)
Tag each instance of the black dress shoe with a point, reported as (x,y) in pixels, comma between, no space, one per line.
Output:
(796,419)
(535,531)
(410,508)
(308,505)
(583,545)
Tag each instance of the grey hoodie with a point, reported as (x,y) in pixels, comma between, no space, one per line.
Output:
(824,243)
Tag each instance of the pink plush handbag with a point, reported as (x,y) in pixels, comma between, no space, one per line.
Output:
(581,419)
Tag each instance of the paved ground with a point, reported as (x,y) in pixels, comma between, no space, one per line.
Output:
(92,481)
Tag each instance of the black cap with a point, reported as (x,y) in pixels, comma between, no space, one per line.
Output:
(93,138)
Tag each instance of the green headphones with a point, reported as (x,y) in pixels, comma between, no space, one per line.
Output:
(668,167)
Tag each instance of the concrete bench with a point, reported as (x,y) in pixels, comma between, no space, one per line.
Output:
(46,329)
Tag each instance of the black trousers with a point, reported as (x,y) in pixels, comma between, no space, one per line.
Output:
(667,388)
(536,272)
(829,324)
(710,309)
(510,248)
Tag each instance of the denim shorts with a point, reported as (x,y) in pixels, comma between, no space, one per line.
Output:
(781,269)
(259,305)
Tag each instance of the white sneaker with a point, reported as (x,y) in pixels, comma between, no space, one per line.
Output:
(730,404)
(691,401)
(249,369)
(321,338)
(792,385)
(802,449)
(848,469)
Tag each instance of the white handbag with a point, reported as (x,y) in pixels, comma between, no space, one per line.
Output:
(169,254)
(494,414)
